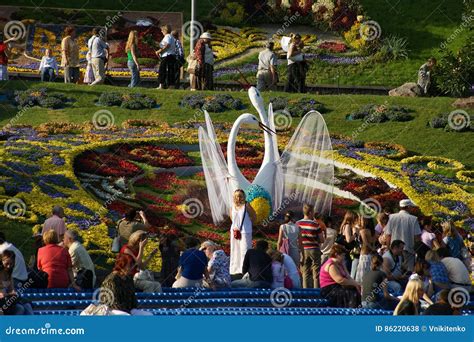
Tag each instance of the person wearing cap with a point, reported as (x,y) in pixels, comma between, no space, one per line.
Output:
(4,50)
(55,222)
(217,267)
(404,226)
(266,72)
(167,54)
(205,62)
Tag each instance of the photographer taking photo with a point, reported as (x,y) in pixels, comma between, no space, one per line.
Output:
(133,221)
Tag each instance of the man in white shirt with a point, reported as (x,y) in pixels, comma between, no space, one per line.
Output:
(458,273)
(20,274)
(81,260)
(404,226)
(168,63)
(99,50)
(266,73)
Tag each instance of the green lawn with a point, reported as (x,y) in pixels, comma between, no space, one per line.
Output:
(20,235)
(202,9)
(414,135)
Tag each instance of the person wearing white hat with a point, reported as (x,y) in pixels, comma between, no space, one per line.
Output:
(205,63)
(404,226)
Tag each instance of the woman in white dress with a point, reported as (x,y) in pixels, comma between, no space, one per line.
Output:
(242,216)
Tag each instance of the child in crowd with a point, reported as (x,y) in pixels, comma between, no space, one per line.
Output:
(89,74)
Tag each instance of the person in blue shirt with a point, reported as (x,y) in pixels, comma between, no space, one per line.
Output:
(192,265)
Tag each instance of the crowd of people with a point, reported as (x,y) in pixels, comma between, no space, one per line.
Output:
(200,62)
(395,262)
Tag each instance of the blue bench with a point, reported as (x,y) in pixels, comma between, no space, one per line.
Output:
(170,289)
(173,295)
(241,311)
(213,302)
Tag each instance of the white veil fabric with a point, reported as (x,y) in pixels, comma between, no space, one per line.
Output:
(215,172)
(307,164)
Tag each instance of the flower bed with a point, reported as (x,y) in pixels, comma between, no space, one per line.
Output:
(333,47)
(297,108)
(381,113)
(449,122)
(128,101)
(96,181)
(217,103)
(40,97)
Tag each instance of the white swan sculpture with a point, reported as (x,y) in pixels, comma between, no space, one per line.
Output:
(303,173)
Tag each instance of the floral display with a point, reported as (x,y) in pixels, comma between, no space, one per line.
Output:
(97,176)
(334,47)
(381,113)
(227,43)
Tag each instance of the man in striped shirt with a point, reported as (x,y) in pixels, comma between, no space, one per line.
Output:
(311,236)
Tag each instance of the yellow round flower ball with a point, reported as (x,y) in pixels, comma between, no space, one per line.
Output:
(262,209)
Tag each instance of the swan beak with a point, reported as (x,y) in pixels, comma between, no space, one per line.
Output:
(266,128)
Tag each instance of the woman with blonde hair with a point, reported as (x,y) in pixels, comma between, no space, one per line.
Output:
(56,262)
(453,240)
(242,216)
(132,59)
(410,301)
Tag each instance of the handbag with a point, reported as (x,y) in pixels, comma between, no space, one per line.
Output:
(237,232)
(84,278)
(287,282)
(192,64)
(285,244)
(116,243)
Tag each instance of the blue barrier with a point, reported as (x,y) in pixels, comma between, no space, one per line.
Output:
(81,303)
(173,295)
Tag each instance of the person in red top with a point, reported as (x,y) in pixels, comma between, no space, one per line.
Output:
(311,236)
(134,250)
(56,262)
(4,49)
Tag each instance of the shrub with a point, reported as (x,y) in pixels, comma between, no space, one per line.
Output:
(442,121)
(129,101)
(438,122)
(305,105)
(110,99)
(297,108)
(392,48)
(381,113)
(454,74)
(217,103)
(40,97)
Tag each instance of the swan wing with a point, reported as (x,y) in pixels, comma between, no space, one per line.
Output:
(307,164)
(217,176)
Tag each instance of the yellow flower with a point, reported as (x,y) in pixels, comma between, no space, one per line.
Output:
(262,209)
